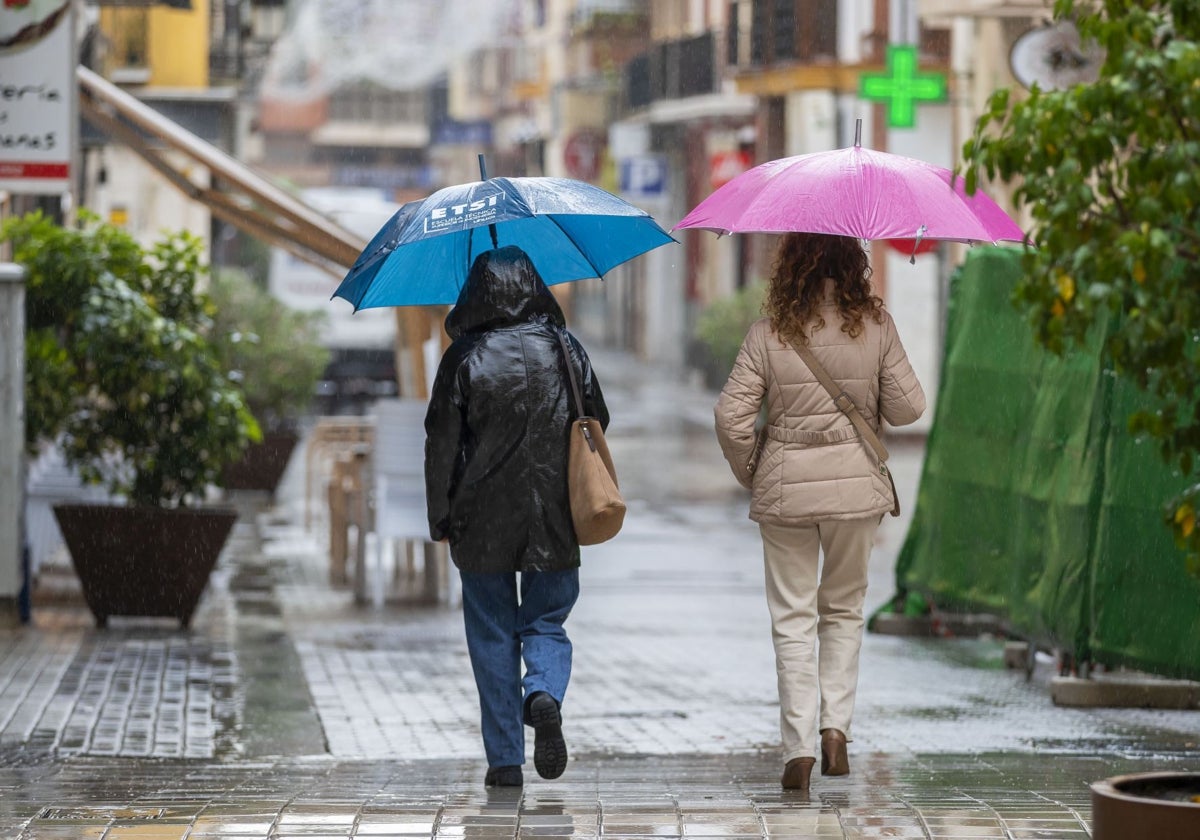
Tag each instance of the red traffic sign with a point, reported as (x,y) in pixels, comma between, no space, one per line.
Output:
(912,247)
(723,167)
(583,153)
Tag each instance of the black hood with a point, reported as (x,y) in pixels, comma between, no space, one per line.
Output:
(502,289)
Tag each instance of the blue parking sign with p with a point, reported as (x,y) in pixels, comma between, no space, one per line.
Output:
(644,176)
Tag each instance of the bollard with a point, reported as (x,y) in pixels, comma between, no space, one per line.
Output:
(339,538)
(12,440)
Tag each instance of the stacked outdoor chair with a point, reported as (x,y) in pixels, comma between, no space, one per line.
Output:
(408,567)
(336,456)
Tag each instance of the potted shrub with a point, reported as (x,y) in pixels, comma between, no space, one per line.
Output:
(277,357)
(1147,806)
(122,376)
(722,327)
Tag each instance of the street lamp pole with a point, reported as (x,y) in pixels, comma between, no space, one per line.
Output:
(12,440)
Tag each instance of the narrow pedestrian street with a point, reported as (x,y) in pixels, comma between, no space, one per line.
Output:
(288,711)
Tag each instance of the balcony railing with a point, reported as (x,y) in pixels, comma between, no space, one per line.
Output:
(765,33)
(785,32)
(673,70)
(588,13)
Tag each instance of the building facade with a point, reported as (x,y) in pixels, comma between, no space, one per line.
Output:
(660,102)
(159,53)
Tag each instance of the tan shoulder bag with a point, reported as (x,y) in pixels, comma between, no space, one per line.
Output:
(597,509)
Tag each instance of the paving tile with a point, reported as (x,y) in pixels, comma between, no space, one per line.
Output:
(39,831)
(147,832)
(221,828)
(940,831)
(391,830)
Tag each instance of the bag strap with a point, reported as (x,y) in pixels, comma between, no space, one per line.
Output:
(584,425)
(566,351)
(842,400)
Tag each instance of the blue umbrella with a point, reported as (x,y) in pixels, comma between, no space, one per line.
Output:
(570,229)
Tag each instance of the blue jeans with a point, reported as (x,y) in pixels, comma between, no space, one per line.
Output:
(500,632)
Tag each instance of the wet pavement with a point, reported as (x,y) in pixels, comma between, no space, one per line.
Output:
(287,711)
(940,796)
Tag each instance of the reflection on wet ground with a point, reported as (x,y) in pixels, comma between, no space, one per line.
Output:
(928,796)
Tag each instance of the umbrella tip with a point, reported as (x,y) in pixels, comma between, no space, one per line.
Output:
(858,132)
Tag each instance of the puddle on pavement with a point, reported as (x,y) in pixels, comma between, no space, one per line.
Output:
(985,653)
(936,713)
(101,813)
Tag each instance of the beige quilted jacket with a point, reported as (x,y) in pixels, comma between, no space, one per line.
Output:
(814,466)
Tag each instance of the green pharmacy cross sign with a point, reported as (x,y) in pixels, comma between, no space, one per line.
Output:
(902,86)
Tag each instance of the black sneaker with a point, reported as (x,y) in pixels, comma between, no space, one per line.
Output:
(503,777)
(549,748)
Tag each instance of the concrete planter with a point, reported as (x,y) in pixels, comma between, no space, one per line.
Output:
(262,465)
(1147,806)
(143,561)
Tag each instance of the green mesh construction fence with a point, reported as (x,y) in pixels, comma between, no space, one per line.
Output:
(1036,503)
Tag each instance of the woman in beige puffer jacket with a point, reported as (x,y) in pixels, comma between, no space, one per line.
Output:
(817,485)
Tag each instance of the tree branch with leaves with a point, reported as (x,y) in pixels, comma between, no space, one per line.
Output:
(1110,172)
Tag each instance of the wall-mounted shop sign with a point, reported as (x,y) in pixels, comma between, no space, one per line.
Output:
(583,154)
(903,86)
(37,98)
(643,177)
(723,167)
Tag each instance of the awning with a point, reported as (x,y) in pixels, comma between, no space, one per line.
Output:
(395,136)
(709,106)
(247,200)
(175,4)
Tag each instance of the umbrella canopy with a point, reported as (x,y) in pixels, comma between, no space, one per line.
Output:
(853,192)
(570,229)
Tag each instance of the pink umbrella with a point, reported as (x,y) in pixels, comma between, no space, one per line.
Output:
(853,192)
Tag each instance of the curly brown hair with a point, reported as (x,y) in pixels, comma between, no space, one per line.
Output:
(802,263)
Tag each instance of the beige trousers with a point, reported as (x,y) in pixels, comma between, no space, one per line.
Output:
(816,624)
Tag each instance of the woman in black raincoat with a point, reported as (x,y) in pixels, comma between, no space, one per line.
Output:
(497,432)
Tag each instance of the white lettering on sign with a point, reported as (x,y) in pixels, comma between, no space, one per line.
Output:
(15,93)
(470,214)
(28,141)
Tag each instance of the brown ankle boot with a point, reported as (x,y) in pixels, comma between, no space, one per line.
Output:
(834,761)
(797,773)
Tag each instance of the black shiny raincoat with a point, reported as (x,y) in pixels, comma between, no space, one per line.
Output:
(499,421)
